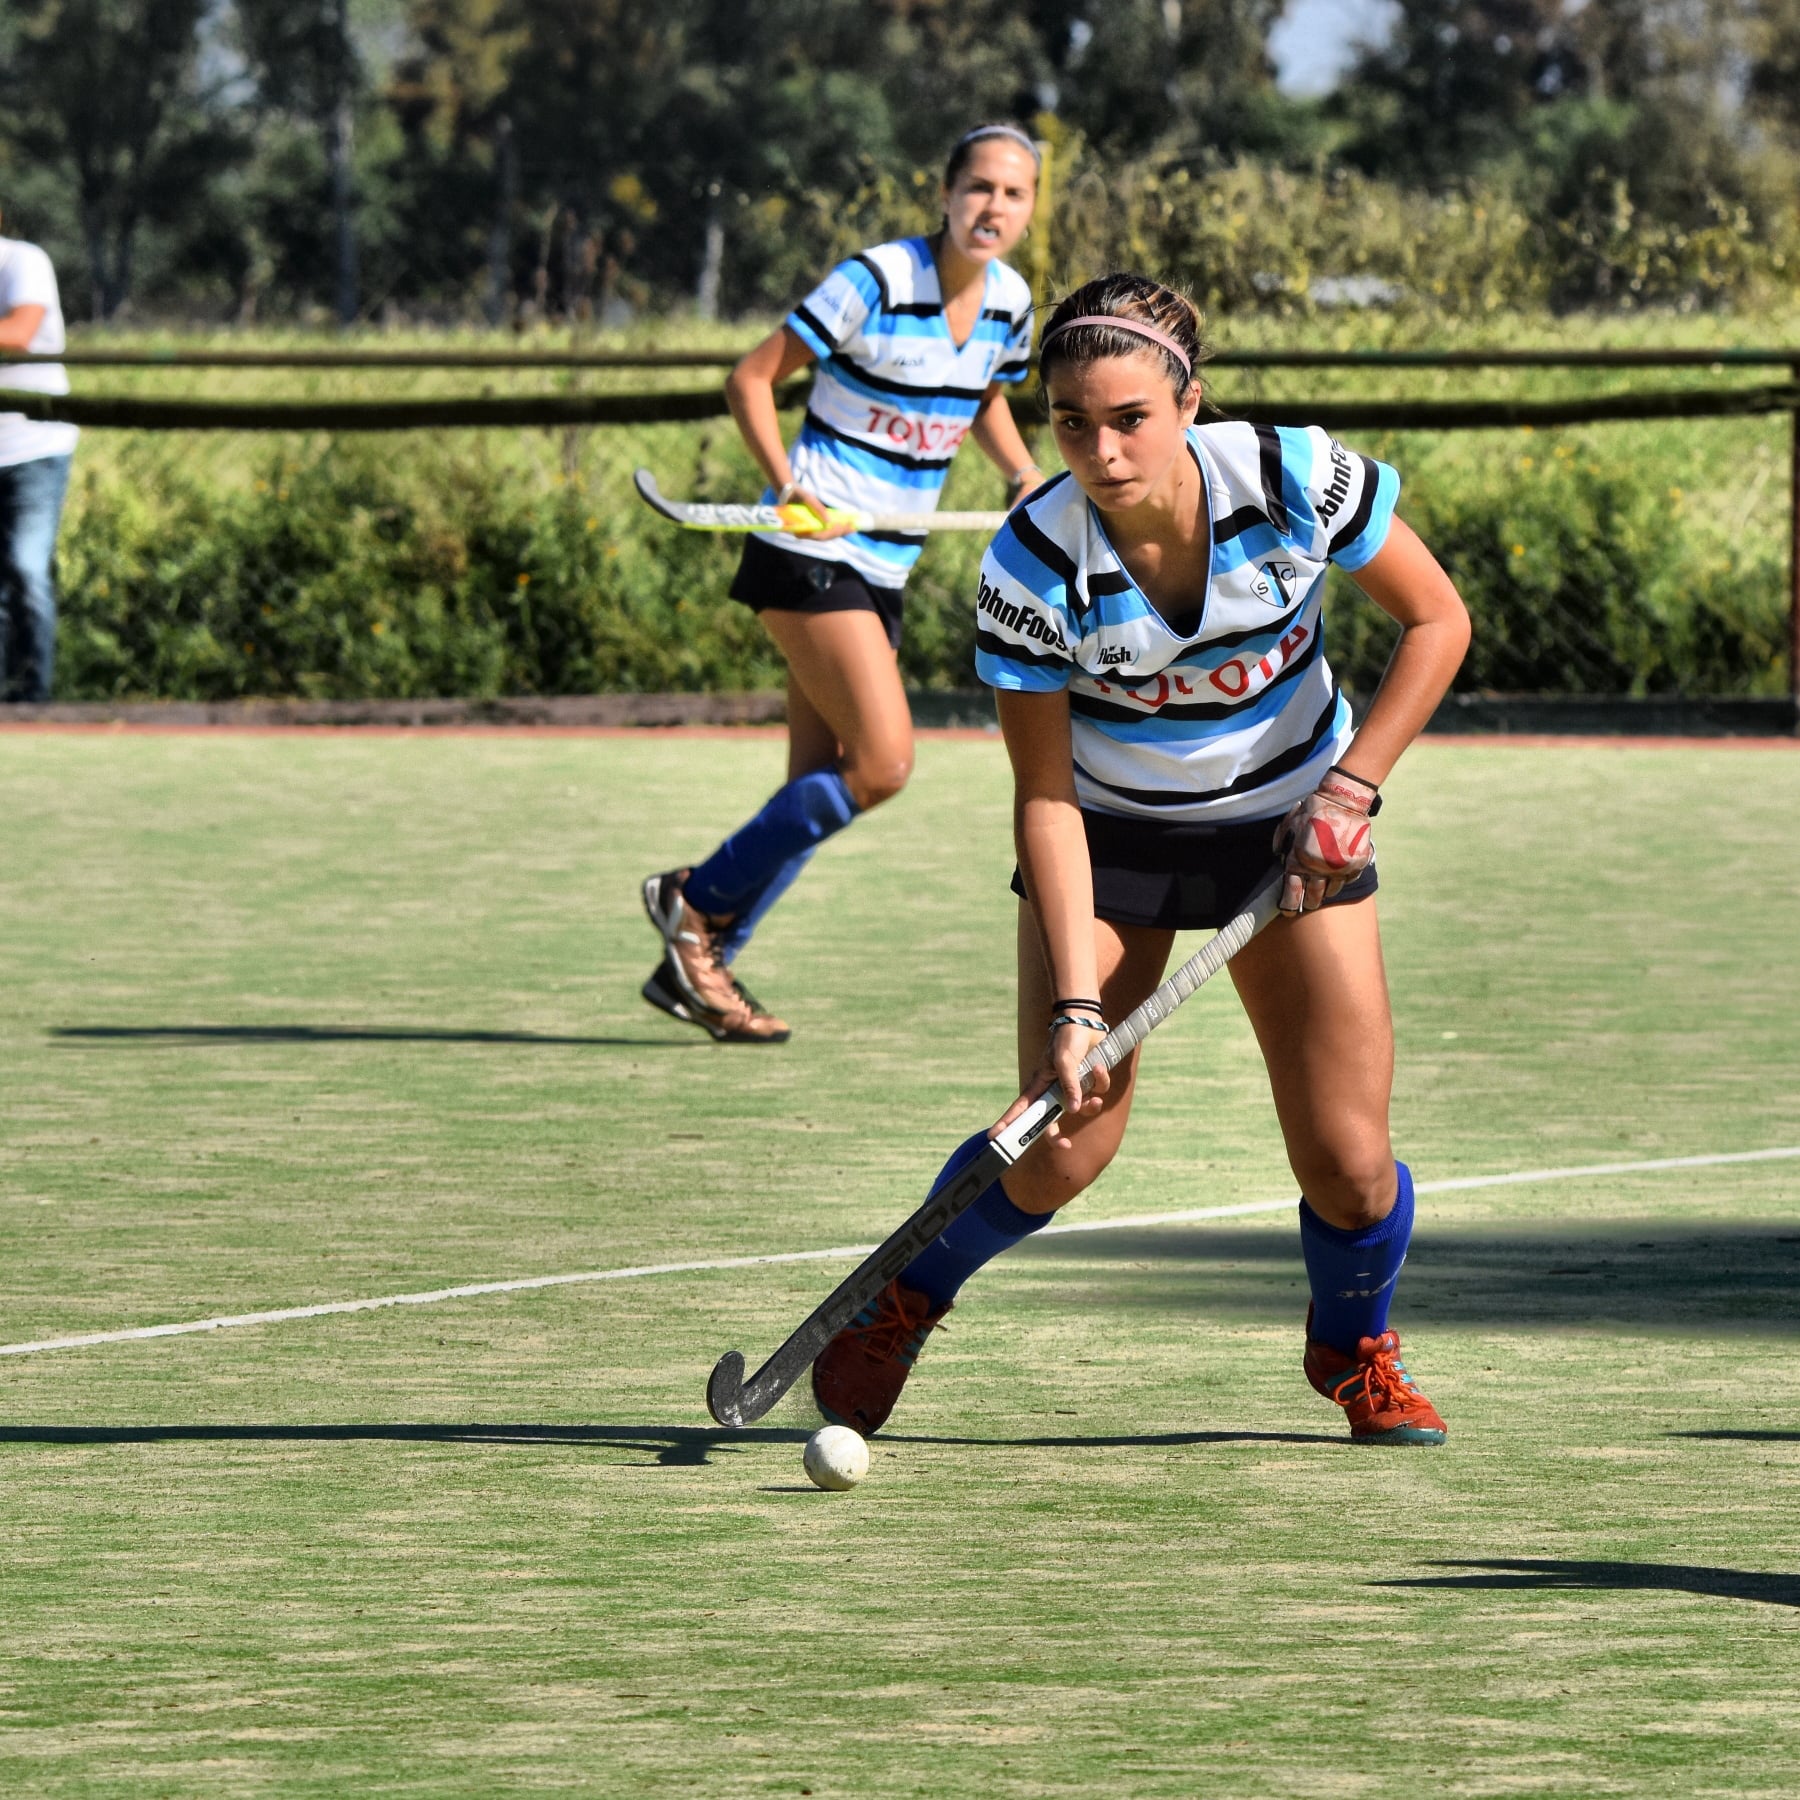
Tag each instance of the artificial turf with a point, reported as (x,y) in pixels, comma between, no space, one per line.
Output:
(298,1019)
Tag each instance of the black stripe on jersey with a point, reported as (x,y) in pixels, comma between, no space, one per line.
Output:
(1246,518)
(807,316)
(883,385)
(898,457)
(1109,581)
(914,538)
(1272,770)
(1050,553)
(914,309)
(1000,313)
(1276,506)
(1095,706)
(1008,651)
(881,286)
(1354,526)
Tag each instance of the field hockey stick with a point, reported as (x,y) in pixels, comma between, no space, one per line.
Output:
(696,516)
(734,1401)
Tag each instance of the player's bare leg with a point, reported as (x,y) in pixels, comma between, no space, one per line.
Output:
(849,674)
(849,748)
(1131,960)
(1316,994)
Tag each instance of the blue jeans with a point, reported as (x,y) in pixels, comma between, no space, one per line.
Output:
(31,503)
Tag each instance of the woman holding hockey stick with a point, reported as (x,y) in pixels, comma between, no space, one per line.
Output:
(1151,624)
(916,342)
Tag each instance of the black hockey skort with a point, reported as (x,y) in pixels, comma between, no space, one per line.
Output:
(771,579)
(1174,876)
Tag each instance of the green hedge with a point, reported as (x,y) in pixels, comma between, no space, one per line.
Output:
(484,564)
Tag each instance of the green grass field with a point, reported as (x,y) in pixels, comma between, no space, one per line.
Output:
(290,1020)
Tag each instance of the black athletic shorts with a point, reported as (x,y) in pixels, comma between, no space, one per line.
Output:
(1183,877)
(770,578)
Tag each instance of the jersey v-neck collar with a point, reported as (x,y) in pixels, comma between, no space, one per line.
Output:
(1202,468)
(942,315)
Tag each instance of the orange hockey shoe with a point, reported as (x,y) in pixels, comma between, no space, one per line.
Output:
(1373,1387)
(859,1374)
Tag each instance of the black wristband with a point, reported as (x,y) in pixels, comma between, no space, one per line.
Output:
(1057,1006)
(1374,787)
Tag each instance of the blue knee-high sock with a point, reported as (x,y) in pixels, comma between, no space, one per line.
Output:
(991,1224)
(738,933)
(795,819)
(1352,1273)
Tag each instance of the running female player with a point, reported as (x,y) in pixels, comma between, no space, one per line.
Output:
(915,342)
(1151,623)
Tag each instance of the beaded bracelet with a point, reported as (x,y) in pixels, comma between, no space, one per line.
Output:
(1098,1025)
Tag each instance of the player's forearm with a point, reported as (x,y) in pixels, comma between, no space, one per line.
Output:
(19,327)
(1418,676)
(1053,859)
(997,432)
(751,398)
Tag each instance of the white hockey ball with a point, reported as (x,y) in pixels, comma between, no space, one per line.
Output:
(836,1458)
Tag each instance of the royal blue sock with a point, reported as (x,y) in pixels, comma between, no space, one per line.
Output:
(991,1224)
(738,933)
(796,818)
(1352,1273)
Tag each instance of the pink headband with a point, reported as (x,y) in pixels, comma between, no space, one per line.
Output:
(1120,324)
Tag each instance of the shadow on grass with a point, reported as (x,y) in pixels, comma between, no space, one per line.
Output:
(1535,1574)
(1652,1275)
(1147,1440)
(674,1446)
(349,1034)
(1744,1437)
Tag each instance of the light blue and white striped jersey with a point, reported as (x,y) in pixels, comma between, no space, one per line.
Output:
(1237,720)
(893,396)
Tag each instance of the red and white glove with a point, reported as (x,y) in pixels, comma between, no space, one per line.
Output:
(1326,840)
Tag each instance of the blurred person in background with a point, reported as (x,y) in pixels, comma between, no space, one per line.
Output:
(34,473)
(916,342)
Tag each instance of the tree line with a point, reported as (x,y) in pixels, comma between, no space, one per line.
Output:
(229,160)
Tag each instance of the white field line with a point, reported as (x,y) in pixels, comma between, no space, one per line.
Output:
(1136,1222)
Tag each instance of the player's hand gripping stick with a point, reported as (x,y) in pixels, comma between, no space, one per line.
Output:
(734,1401)
(1325,840)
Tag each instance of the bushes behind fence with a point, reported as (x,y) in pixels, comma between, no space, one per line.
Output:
(512,563)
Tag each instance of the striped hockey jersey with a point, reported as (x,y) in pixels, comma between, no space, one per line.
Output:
(1237,720)
(893,396)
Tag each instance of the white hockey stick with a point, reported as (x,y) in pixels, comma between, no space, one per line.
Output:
(734,1401)
(698,516)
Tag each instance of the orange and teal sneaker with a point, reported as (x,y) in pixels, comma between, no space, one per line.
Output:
(859,1374)
(1373,1387)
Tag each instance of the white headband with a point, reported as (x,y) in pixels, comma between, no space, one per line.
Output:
(1009,131)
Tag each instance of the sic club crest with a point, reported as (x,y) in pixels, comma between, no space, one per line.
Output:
(1276,584)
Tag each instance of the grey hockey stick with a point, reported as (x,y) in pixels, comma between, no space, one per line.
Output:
(734,1401)
(702,516)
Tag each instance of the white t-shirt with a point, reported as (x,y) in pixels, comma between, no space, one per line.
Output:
(27,279)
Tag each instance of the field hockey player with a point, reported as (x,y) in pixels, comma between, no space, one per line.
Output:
(1151,623)
(916,341)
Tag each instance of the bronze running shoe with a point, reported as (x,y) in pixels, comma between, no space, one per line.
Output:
(694,982)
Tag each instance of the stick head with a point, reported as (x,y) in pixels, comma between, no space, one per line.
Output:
(725,1390)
